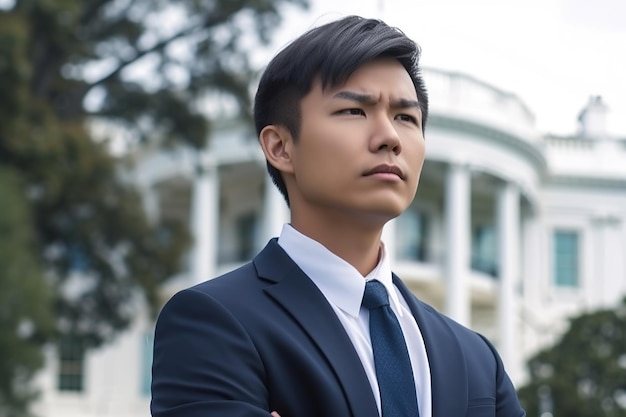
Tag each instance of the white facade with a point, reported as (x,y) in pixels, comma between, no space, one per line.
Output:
(510,233)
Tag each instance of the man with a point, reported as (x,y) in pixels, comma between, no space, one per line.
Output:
(340,115)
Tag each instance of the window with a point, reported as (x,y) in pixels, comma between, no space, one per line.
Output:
(566,258)
(71,364)
(484,250)
(241,237)
(147,342)
(411,236)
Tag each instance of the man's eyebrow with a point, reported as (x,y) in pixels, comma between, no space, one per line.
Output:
(357,97)
(401,103)
(404,103)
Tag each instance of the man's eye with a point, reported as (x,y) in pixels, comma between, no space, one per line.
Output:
(407,118)
(352,112)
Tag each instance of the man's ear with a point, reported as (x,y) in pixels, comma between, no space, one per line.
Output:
(277,143)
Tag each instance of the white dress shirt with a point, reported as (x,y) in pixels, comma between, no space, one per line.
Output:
(344,286)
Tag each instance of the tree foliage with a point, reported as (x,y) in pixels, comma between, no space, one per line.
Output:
(25,299)
(75,240)
(584,373)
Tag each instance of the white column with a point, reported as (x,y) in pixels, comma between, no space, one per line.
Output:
(458,244)
(596,290)
(533,264)
(275,212)
(532,310)
(607,284)
(204,222)
(508,228)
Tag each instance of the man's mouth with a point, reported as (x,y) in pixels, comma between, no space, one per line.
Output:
(385,169)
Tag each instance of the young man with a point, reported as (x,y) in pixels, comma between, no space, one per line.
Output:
(340,115)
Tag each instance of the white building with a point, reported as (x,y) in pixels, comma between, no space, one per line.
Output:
(510,233)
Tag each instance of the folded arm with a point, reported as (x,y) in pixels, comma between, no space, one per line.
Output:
(205,363)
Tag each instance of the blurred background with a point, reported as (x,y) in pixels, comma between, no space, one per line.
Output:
(129,169)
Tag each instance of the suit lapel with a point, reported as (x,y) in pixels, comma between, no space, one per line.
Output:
(308,306)
(448,371)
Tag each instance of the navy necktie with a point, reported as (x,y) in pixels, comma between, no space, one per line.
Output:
(391,357)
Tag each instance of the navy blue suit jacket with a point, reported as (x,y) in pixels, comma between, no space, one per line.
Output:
(263,338)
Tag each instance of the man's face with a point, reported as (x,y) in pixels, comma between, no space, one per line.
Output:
(361,149)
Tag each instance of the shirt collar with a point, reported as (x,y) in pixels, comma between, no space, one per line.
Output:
(382,273)
(340,282)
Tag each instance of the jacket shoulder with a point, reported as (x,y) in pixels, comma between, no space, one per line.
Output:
(245,274)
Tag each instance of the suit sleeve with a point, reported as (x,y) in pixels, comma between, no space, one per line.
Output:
(205,364)
(507,402)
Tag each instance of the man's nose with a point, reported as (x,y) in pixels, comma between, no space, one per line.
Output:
(385,136)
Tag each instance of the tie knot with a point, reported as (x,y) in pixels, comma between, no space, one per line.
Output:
(375,295)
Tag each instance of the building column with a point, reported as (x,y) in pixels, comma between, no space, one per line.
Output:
(608,264)
(532,268)
(508,229)
(536,327)
(275,212)
(458,243)
(204,221)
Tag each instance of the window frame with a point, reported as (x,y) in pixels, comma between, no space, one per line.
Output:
(71,365)
(575,261)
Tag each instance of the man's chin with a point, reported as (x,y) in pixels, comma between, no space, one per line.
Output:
(382,215)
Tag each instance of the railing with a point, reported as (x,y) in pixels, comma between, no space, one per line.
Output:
(589,157)
(459,95)
(570,143)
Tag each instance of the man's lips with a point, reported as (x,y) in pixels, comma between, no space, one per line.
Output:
(385,169)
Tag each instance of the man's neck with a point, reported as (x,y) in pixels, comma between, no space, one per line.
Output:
(353,241)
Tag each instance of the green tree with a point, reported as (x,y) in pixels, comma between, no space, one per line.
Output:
(25,298)
(584,373)
(148,70)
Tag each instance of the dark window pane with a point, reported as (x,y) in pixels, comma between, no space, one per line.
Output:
(71,363)
(566,258)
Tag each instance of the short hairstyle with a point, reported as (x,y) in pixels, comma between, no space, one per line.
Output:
(333,52)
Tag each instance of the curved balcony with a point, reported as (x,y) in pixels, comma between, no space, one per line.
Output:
(463,97)
(491,131)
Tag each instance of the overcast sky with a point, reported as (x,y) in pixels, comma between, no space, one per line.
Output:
(553,54)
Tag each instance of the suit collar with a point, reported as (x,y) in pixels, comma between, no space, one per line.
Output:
(323,267)
(445,358)
(303,300)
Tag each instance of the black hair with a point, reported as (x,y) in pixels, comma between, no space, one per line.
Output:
(333,52)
